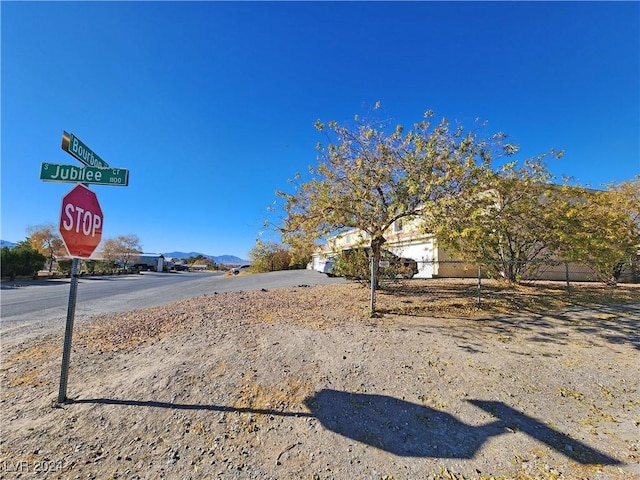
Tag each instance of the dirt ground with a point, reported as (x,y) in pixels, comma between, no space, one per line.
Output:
(302,383)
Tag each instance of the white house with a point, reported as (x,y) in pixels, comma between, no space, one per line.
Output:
(404,239)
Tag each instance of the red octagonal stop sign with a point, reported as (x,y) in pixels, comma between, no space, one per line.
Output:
(81,221)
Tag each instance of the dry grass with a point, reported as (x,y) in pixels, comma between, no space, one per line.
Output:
(289,394)
(323,306)
(459,297)
(316,307)
(25,367)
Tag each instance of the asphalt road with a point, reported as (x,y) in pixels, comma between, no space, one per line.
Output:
(33,309)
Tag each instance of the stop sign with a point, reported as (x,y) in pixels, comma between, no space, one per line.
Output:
(81,222)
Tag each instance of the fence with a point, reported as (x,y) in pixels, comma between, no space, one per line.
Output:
(478,281)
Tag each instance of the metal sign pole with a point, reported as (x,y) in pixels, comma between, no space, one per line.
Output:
(479,283)
(68,333)
(372,266)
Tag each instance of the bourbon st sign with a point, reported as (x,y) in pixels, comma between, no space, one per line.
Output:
(73,145)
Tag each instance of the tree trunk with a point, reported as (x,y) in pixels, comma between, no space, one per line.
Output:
(376,251)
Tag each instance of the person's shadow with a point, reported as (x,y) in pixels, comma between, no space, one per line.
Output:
(407,429)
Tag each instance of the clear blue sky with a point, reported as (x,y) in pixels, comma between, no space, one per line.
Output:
(211,105)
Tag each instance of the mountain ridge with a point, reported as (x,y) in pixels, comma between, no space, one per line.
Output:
(226,259)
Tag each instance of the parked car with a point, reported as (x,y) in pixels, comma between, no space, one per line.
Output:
(144,267)
(327,267)
(406,267)
(241,268)
(355,263)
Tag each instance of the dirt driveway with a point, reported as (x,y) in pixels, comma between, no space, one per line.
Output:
(301,383)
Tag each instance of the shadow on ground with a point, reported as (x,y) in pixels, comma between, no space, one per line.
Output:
(404,428)
(407,429)
(614,324)
(589,309)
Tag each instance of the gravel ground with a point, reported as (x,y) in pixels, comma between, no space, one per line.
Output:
(301,383)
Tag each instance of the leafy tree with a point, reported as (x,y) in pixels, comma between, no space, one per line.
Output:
(601,228)
(300,254)
(201,260)
(124,249)
(369,177)
(269,257)
(46,240)
(8,263)
(507,222)
(198,259)
(22,259)
(93,266)
(353,264)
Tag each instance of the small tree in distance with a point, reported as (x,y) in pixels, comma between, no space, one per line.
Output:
(46,240)
(269,257)
(124,249)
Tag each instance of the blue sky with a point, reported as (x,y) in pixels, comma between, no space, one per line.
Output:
(211,105)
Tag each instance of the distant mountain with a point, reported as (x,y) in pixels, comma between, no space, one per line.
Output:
(4,243)
(230,260)
(226,259)
(184,254)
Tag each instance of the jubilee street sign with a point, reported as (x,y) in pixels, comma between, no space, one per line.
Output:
(52,172)
(72,144)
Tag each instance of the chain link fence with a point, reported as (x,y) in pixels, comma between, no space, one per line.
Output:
(476,283)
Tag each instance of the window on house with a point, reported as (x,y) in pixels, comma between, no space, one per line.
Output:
(397,226)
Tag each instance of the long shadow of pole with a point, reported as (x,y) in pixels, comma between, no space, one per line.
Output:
(188,406)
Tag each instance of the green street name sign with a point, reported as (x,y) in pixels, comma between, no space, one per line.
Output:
(51,172)
(73,145)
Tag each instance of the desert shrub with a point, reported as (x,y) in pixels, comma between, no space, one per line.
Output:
(22,259)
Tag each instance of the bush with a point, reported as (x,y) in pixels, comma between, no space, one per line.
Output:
(91,266)
(23,259)
(269,257)
(353,264)
(64,266)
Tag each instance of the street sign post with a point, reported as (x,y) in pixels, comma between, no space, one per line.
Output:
(68,332)
(53,172)
(81,222)
(72,145)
